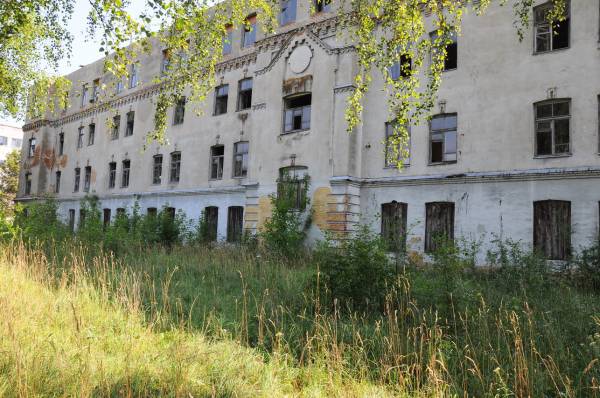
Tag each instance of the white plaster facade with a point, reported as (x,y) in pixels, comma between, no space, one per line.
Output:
(493,183)
(11,138)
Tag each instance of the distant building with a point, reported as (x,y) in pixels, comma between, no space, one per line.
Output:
(512,149)
(11,138)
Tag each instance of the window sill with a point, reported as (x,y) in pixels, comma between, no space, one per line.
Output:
(450,70)
(562,155)
(442,163)
(240,177)
(244,109)
(295,131)
(219,114)
(392,167)
(551,51)
(215,179)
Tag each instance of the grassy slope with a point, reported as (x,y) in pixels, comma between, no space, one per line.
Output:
(64,339)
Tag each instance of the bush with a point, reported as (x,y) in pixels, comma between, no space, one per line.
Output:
(587,267)
(356,271)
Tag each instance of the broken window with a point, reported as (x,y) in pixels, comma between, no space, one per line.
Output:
(240,159)
(297,113)
(32,143)
(221,97)
(211,222)
(552,120)
(116,126)
(125,173)
(57,182)
(27,183)
(451,51)
(552,228)
(112,174)
(322,5)
(80,137)
(166,61)
(442,147)
(439,225)
(550,37)
(402,68)
(157,169)
(217,157)
(72,220)
(61,143)
(175,167)
(235,223)
(133,75)
(393,226)
(244,94)
(84,95)
(95,90)
(106,217)
(249,31)
(227,39)
(77,178)
(91,134)
(288,12)
(292,186)
(130,120)
(179,112)
(391,152)
(87,178)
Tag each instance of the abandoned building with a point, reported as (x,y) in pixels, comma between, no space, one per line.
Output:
(512,149)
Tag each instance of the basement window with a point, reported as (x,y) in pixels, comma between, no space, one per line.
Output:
(179,112)
(112,174)
(550,37)
(106,217)
(288,12)
(391,157)
(297,113)
(151,212)
(292,186)
(61,143)
(244,94)
(157,169)
(442,148)
(393,226)
(217,157)
(439,225)
(235,223)
(552,127)
(130,121)
(77,179)
(221,97)
(72,220)
(552,228)
(211,222)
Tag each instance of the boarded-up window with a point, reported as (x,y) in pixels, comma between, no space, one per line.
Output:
(152,212)
(552,228)
(439,224)
(211,220)
(235,220)
(393,226)
(106,218)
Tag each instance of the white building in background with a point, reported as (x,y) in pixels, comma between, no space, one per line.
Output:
(512,150)
(11,138)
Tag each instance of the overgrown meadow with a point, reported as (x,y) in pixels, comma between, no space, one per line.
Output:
(148,306)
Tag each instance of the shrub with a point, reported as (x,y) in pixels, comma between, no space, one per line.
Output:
(587,267)
(356,271)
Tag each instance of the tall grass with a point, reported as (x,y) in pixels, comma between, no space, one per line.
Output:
(222,321)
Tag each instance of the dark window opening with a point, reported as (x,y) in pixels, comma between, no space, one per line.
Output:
(552,127)
(77,178)
(552,228)
(443,145)
(81,218)
(402,68)
(393,226)
(57,182)
(297,113)
(550,37)
(175,167)
(27,183)
(116,126)
(211,222)
(439,225)
(130,120)
(157,169)
(171,211)
(32,143)
(80,137)
(235,223)
(244,94)
(125,173)
(322,5)
(392,154)
(151,211)
(292,186)
(112,174)
(221,97)
(217,157)
(240,159)
(87,178)
(179,111)
(91,134)
(61,144)
(72,220)
(106,218)
(450,50)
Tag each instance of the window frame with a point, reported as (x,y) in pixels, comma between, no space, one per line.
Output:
(250,33)
(386,164)
(301,108)
(243,92)
(116,127)
(430,245)
(551,35)
(133,75)
(219,99)
(129,123)
(157,169)
(243,158)
(125,173)
(77,183)
(175,167)
(61,143)
(179,111)
(91,133)
(442,131)
(235,230)
(289,177)
(31,147)
(550,252)
(227,42)
(112,175)
(80,135)
(394,231)
(552,120)
(287,12)
(325,6)
(28,182)
(221,163)
(433,36)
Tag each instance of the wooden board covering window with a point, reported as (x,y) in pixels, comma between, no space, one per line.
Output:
(552,228)
(439,224)
(393,225)
(211,218)
(235,220)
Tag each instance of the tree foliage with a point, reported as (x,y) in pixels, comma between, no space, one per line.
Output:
(383,32)
(9,179)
